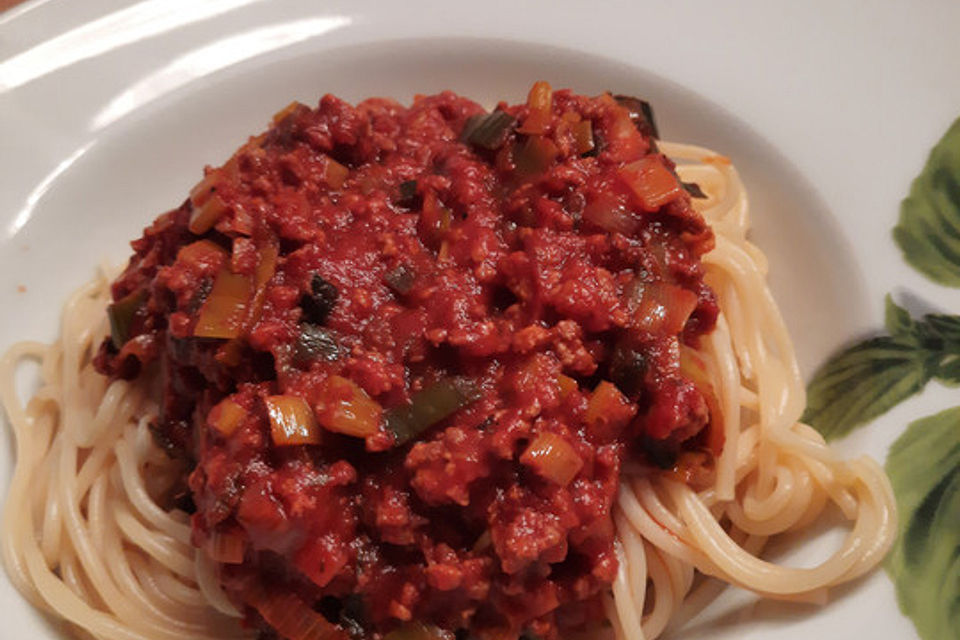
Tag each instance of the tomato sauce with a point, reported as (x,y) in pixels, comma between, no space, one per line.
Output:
(406,351)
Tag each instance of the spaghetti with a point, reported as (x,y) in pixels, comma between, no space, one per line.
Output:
(91,533)
(775,474)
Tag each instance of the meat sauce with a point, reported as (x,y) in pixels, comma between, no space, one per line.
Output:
(406,351)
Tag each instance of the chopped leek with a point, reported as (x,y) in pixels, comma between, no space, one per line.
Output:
(318,304)
(401,279)
(121,314)
(226,417)
(418,631)
(652,182)
(226,547)
(583,135)
(315,343)
(224,312)
(551,456)
(291,421)
(206,215)
(408,191)
(535,155)
(335,174)
(346,408)
(641,114)
(429,406)
(489,130)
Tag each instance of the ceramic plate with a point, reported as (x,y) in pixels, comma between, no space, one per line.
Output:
(109,110)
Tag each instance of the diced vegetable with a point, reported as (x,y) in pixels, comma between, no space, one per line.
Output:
(401,279)
(627,369)
(318,304)
(201,252)
(622,142)
(224,312)
(227,547)
(346,408)
(230,353)
(567,385)
(203,189)
(534,155)
(435,220)
(489,130)
(266,267)
(315,343)
(663,307)
(583,135)
(551,456)
(226,417)
(641,114)
(335,174)
(539,103)
(418,631)
(207,214)
(652,182)
(608,410)
(291,421)
(121,314)
(429,406)
(610,215)
(207,204)
(408,191)
(292,618)
(293,107)
(321,560)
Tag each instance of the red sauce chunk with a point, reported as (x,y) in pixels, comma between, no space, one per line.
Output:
(406,351)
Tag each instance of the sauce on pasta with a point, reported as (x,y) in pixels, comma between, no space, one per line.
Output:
(429,373)
(405,351)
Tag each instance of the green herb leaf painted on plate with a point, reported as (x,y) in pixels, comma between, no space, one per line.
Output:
(928,232)
(868,378)
(924,469)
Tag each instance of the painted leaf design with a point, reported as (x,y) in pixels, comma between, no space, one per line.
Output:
(928,231)
(868,378)
(924,468)
(864,381)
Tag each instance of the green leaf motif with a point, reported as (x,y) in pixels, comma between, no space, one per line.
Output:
(924,469)
(947,327)
(928,232)
(864,381)
(869,378)
(896,319)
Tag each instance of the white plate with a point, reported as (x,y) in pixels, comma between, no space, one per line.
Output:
(109,110)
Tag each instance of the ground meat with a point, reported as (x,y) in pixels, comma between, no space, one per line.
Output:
(405,350)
